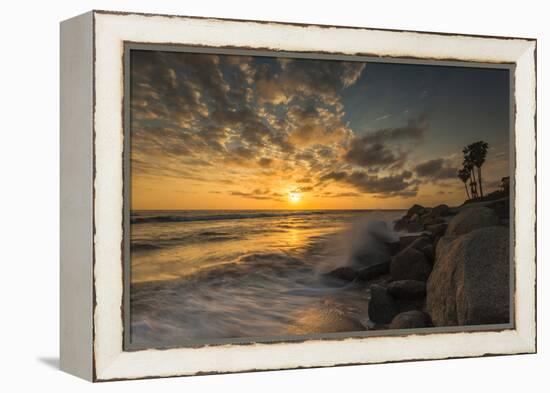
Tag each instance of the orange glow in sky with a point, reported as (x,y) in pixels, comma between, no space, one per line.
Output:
(242,132)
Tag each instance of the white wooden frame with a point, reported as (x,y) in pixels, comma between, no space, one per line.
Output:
(92,195)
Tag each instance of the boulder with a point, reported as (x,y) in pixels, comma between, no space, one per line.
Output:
(440,211)
(445,241)
(345,273)
(501,207)
(373,271)
(382,307)
(408,225)
(416,209)
(429,252)
(410,264)
(435,215)
(432,221)
(421,242)
(405,241)
(371,256)
(437,229)
(469,284)
(394,247)
(407,289)
(414,226)
(470,219)
(410,320)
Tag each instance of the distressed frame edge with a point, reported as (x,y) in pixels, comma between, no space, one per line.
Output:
(76,196)
(303,24)
(527,340)
(525,224)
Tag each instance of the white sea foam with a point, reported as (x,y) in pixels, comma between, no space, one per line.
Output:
(259,275)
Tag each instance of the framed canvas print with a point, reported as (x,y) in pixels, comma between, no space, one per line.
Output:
(244,195)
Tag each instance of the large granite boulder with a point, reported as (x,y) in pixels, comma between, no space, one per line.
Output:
(407,289)
(410,264)
(410,320)
(382,307)
(471,218)
(373,271)
(469,284)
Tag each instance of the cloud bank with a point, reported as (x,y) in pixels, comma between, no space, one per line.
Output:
(231,123)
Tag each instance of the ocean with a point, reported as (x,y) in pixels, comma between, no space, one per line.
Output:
(199,275)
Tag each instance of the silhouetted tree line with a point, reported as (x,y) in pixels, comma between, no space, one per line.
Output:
(474,158)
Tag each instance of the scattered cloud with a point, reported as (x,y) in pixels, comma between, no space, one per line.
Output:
(259,194)
(413,131)
(436,169)
(239,121)
(265,162)
(373,156)
(383,148)
(341,194)
(401,184)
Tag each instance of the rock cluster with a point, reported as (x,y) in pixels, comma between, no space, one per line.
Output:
(419,217)
(454,271)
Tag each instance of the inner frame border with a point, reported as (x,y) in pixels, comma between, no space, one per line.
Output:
(128,46)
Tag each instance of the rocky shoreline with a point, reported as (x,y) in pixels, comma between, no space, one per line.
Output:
(453,271)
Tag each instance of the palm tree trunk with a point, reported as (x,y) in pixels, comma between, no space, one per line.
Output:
(479,178)
(466,188)
(474,191)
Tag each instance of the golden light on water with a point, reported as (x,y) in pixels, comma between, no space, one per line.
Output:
(294,196)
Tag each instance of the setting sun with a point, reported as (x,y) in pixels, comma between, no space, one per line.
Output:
(294,196)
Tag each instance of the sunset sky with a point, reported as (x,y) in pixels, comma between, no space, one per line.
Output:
(240,132)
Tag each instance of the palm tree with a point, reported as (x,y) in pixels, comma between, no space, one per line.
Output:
(468,167)
(464,175)
(473,188)
(476,153)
